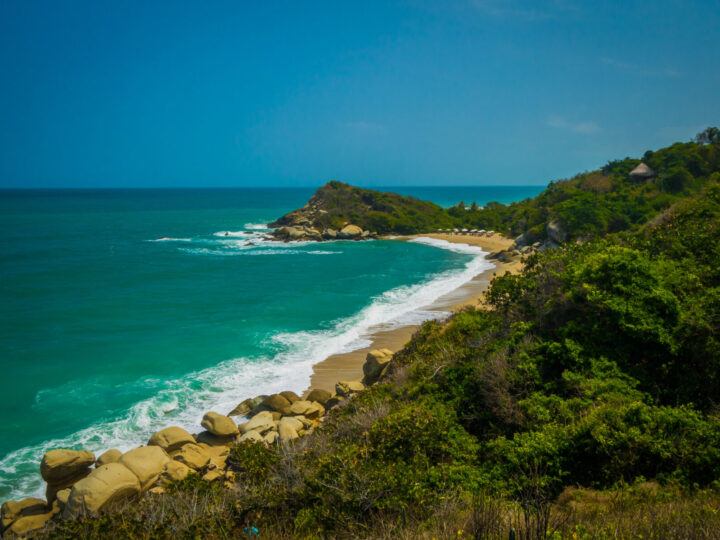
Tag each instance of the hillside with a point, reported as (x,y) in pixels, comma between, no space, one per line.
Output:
(582,403)
(336,205)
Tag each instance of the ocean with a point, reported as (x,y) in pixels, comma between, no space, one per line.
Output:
(125,311)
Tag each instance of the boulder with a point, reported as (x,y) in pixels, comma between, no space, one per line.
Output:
(287,432)
(205,437)
(277,402)
(270,437)
(218,455)
(261,422)
(348,388)
(174,471)
(521,241)
(290,233)
(106,484)
(334,402)
(244,407)
(218,424)
(293,422)
(194,456)
(13,510)
(171,438)
(25,524)
(109,456)
(291,396)
(213,475)
(147,463)
(330,234)
(556,231)
(52,489)
(309,409)
(375,362)
(61,497)
(60,465)
(319,395)
(350,231)
(252,436)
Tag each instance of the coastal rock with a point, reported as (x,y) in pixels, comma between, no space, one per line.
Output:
(348,388)
(25,524)
(277,402)
(213,475)
(293,422)
(147,463)
(330,234)
(174,471)
(290,233)
(556,232)
(334,402)
(261,422)
(193,455)
(309,409)
(319,395)
(287,430)
(171,438)
(218,455)
(375,362)
(270,437)
(244,407)
(521,241)
(291,396)
(60,465)
(107,484)
(13,510)
(205,437)
(218,424)
(109,456)
(350,231)
(61,497)
(252,436)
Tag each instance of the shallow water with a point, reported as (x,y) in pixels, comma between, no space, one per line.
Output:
(127,310)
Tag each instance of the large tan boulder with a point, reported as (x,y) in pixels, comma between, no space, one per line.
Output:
(308,409)
(375,362)
(252,436)
(13,510)
(348,388)
(62,497)
(194,456)
(109,456)
(291,396)
(278,403)
(107,484)
(319,395)
(218,454)
(293,421)
(261,422)
(205,437)
(25,524)
(270,437)
(61,464)
(350,231)
(171,438)
(219,424)
(174,471)
(245,406)
(287,432)
(147,463)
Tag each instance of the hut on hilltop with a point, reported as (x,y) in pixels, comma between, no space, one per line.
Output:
(642,172)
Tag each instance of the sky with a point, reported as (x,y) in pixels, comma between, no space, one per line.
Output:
(236,93)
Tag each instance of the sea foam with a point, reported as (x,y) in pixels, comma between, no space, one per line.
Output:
(183,401)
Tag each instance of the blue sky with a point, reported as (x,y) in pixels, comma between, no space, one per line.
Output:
(137,93)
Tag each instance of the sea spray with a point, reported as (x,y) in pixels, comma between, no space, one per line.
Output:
(182,401)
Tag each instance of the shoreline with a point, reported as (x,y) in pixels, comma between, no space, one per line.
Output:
(348,366)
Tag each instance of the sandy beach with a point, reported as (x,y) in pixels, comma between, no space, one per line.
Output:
(348,366)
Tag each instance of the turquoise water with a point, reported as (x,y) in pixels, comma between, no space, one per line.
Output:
(128,310)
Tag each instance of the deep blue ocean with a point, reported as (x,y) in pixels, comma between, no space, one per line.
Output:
(124,311)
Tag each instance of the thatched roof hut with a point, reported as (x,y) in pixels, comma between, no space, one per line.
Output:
(642,172)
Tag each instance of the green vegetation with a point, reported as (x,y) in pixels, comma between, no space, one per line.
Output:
(582,404)
(336,204)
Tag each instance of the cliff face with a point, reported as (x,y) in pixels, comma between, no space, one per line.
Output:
(336,205)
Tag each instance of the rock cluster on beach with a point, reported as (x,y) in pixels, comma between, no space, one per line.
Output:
(79,483)
(302,231)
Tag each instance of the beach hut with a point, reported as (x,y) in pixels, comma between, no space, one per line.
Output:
(642,172)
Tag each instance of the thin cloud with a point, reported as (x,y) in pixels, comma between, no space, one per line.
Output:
(584,128)
(640,70)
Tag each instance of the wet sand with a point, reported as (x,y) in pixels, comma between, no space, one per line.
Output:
(348,366)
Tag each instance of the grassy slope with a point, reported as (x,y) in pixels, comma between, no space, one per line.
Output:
(585,400)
